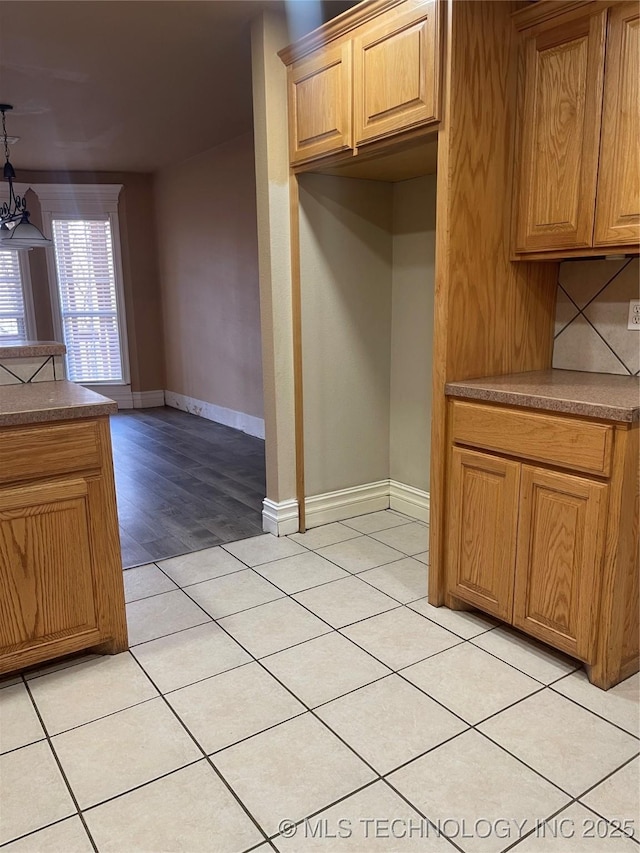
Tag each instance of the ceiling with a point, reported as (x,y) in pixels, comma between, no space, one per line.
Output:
(131,85)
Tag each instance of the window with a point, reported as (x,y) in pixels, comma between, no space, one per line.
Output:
(88,300)
(14,322)
(85,281)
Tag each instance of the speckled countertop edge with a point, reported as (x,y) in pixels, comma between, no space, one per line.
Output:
(43,402)
(607,397)
(31,349)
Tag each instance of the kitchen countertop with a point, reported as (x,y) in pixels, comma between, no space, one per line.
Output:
(594,395)
(31,349)
(41,402)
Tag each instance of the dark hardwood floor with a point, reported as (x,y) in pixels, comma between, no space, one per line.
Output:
(183,483)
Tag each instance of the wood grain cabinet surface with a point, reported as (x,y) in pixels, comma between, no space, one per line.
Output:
(61,587)
(352,83)
(578,182)
(320,103)
(552,552)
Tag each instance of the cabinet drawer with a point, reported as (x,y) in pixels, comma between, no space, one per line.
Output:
(565,442)
(38,451)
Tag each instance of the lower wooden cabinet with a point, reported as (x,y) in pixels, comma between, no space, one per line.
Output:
(552,552)
(482,533)
(559,559)
(61,587)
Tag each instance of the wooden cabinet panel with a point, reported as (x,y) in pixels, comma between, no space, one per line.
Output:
(559,557)
(32,452)
(320,103)
(618,204)
(61,585)
(483,518)
(563,79)
(396,72)
(46,589)
(552,439)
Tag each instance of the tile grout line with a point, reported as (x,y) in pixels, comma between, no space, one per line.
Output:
(205,757)
(311,710)
(61,768)
(396,672)
(340,629)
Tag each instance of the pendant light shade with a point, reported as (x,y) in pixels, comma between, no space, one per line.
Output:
(16,231)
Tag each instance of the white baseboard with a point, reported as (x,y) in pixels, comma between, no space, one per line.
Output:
(409,500)
(238,420)
(147,399)
(120,393)
(281,519)
(370,497)
(346,503)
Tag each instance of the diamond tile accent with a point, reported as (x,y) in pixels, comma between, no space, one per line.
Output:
(596,338)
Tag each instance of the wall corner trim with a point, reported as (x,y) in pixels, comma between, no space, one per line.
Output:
(281,518)
(409,500)
(346,503)
(369,497)
(238,420)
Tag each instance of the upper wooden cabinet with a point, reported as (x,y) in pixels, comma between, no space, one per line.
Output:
(372,73)
(395,73)
(618,206)
(579,120)
(320,104)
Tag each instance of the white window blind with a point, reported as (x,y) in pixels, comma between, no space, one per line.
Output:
(88,301)
(12,311)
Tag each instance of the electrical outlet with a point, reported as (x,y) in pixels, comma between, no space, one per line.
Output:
(634,314)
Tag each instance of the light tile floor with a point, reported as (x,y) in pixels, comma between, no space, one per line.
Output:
(300,694)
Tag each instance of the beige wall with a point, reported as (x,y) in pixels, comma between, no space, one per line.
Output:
(591,316)
(139,270)
(367,258)
(414,222)
(346,250)
(207,240)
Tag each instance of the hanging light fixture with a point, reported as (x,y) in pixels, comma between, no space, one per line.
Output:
(16,232)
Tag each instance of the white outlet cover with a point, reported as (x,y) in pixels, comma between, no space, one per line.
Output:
(634,315)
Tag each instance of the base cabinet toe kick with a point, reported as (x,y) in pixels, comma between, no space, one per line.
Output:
(61,586)
(542,529)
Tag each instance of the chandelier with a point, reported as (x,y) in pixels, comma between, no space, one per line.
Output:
(16,232)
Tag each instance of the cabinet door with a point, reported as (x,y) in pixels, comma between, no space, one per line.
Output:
(483,518)
(46,577)
(618,206)
(560,549)
(320,103)
(396,72)
(560,133)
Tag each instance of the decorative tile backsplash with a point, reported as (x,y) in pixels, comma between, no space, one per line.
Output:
(591,316)
(22,370)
